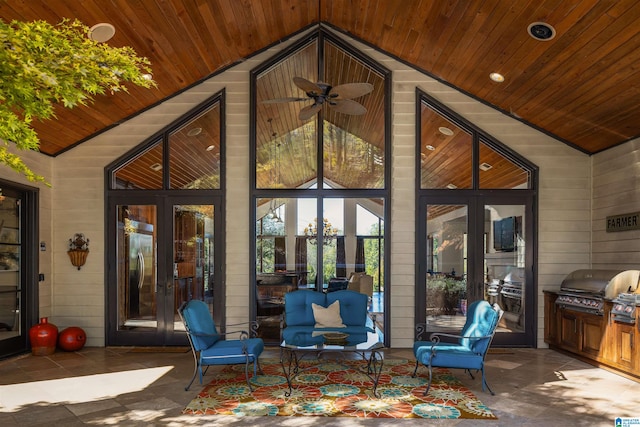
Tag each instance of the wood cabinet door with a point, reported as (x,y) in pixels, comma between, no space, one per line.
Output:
(593,328)
(625,345)
(550,319)
(569,330)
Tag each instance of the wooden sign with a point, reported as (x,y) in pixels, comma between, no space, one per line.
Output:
(624,222)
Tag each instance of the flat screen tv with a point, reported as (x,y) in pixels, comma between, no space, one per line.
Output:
(504,231)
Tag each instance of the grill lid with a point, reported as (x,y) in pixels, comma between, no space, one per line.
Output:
(587,280)
(627,281)
(603,283)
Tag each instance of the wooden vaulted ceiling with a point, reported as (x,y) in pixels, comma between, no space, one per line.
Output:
(581,86)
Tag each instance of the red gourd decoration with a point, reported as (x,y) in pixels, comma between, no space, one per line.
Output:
(72,338)
(44,337)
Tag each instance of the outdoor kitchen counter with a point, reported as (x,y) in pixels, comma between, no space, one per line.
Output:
(596,338)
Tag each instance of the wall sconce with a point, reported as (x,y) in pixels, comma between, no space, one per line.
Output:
(78,250)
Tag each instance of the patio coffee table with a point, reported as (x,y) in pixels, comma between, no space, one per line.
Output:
(304,344)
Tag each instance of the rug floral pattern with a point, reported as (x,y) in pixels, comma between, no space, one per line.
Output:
(338,389)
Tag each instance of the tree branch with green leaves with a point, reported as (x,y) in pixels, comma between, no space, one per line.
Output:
(44,65)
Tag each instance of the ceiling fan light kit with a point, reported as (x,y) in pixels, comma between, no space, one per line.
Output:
(340,97)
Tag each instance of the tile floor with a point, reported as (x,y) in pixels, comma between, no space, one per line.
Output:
(125,387)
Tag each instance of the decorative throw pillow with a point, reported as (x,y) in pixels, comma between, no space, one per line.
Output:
(327,317)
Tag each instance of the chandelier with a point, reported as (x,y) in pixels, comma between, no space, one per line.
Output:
(328,232)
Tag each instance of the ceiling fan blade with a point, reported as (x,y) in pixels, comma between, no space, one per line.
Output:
(280,100)
(347,106)
(307,86)
(350,90)
(307,112)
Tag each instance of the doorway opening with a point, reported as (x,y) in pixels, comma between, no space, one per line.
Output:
(18,266)
(476,235)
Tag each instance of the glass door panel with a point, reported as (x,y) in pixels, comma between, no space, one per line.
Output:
(282,264)
(164,257)
(193,256)
(504,262)
(446,274)
(368,254)
(137,261)
(331,229)
(10,268)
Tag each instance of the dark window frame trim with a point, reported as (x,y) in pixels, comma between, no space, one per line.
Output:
(471,197)
(321,34)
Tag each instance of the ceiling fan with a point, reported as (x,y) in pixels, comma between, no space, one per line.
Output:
(337,97)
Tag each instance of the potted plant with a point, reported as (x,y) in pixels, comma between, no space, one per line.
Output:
(444,294)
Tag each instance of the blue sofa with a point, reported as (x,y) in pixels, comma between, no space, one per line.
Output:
(299,321)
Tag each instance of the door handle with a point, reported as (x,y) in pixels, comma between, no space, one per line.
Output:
(141,266)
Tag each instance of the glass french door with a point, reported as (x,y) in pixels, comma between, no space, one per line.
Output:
(477,248)
(18,270)
(294,250)
(164,255)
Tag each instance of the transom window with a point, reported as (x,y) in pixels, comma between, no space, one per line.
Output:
(186,157)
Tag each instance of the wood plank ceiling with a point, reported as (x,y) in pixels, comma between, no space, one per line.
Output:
(582,86)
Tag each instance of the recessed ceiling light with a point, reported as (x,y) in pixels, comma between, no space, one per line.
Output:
(496,77)
(211,147)
(541,31)
(156,167)
(430,147)
(102,32)
(485,166)
(452,186)
(445,130)
(194,131)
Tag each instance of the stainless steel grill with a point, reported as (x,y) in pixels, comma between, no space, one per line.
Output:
(585,290)
(512,285)
(624,308)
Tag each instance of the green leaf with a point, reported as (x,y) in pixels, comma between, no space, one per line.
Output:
(43,65)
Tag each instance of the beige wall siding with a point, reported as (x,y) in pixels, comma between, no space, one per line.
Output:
(616,191)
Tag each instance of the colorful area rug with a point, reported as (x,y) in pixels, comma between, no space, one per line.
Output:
(338,389)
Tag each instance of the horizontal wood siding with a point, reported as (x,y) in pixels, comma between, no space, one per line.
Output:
(616,191)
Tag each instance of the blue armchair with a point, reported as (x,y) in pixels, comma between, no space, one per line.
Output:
(470,349)
(209,346)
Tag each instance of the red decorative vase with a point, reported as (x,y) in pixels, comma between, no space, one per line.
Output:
(72,338)
(44,337)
